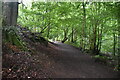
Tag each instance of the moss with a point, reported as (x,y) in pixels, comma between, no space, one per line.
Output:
(10,35)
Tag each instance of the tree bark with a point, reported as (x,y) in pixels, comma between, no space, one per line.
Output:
(0,40)
(83,25)
(118,18)
(10,13)
(72,35)
(114,44)
(101,33)
(65,35)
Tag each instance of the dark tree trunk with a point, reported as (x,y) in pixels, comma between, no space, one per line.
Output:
(1,39)
(65,35)
(114,44)
(84,25)
(118,17)
(48,32)
(72,36)
(10,13)
(101,33)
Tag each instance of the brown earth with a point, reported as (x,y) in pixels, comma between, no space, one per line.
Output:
(58,60)
(70,62)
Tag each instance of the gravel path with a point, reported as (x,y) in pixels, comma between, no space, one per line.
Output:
(72,63)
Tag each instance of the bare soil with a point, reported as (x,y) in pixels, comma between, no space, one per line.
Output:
(70,62)
(58,60)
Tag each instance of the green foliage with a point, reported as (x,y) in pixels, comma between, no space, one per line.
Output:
(93,24)
(73,43)
(11,36)
(101,57)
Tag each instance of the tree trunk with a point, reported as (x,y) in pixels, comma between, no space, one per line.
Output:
(94,38)
(10,13)
(0,40)
(98,38)
(93,46)
(84,18)
(84,25)
(114,44)
(118,17)
(75,36)
(48,32)
(65,35)
(72,35)
(101,31)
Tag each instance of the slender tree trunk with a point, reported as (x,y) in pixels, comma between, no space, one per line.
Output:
(75,36)
(98,38)
(118,52)
(84,19)
(93,40)
(72,35)
(1,39)
(101,31)
(117,5)
(48,32)
(65,35)
(83,25)
(89,36)
(114,44)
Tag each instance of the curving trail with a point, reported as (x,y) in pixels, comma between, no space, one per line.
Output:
(72,63)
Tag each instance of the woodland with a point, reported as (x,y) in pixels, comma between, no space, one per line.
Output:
(61,40)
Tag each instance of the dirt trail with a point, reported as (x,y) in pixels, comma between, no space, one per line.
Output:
(57,60)
(72,63)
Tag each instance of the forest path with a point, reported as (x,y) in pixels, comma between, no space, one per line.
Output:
(70,62)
